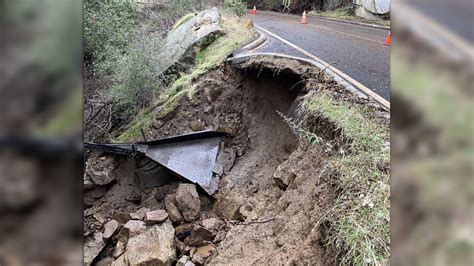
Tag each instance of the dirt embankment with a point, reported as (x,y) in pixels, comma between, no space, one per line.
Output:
(273,192)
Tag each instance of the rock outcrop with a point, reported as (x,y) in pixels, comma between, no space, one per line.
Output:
(192,35)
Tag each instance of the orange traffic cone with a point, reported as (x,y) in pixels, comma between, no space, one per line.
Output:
(254,11)
(304,19)
(388,41)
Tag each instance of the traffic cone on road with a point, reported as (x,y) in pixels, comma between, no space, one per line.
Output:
(304,19)
(254,11)
(388,41)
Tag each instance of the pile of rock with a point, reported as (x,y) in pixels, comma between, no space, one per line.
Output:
(175,234)
(99,172)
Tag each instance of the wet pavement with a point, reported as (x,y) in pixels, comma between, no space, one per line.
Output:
(356,50)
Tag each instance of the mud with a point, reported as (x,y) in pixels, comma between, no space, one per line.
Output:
(264,224)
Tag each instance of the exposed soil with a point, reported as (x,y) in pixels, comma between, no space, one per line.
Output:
(266,222)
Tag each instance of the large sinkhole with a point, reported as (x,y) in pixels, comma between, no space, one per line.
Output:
(266,97)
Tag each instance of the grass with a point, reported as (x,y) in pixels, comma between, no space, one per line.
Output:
(343,14)
(360,218)
(235,36)
(444,175)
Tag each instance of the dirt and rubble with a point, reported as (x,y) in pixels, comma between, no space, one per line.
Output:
(273,192)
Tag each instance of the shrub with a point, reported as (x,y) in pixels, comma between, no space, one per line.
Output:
(236,7)
(108,29)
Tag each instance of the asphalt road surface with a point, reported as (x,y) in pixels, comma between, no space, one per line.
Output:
(455,15)
(356,50)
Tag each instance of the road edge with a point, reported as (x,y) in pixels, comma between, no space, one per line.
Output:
(353,22)
(337,74)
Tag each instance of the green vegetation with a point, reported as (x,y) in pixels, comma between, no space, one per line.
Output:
(360,218)
(121,49)
(236,35)
(442,174)
(235,6)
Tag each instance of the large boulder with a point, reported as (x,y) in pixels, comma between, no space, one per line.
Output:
(152,245)
(371,9)
(188,201)
(193,33)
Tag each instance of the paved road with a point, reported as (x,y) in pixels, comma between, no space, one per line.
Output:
(455,15)
(356,50)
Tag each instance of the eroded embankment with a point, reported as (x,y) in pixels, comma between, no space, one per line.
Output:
(275,189)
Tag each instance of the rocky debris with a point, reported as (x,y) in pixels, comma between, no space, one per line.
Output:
(92,247)
(183,260)
(155,217)
(121,217)
(188,202)
(183,231)
(197,125)
(226,159)
(157,123)
(283,177)
(100,170)
(228,205)
(180,247)
(199,236)
(202,253)
(140,214)
(218,169)
(88,183)
(99,218)
(152,245)
(104,262)
(110,228)
(134,196)
(213,225)
(172,209)
(149,201)
(134,227)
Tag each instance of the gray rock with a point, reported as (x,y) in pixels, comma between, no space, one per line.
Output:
(200,236)
(153,245)
(134,227)
(110,228)
(183,260)
(155,217)
(202,253)
(213,225)
(92,247)
(188,201)
(181,44)
(173,211)
(226,158)
(197,125)
(140,214)
(88,183)
(100,170)
(189,263)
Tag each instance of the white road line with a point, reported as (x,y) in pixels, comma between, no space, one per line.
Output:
(417,19)
(338,72)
